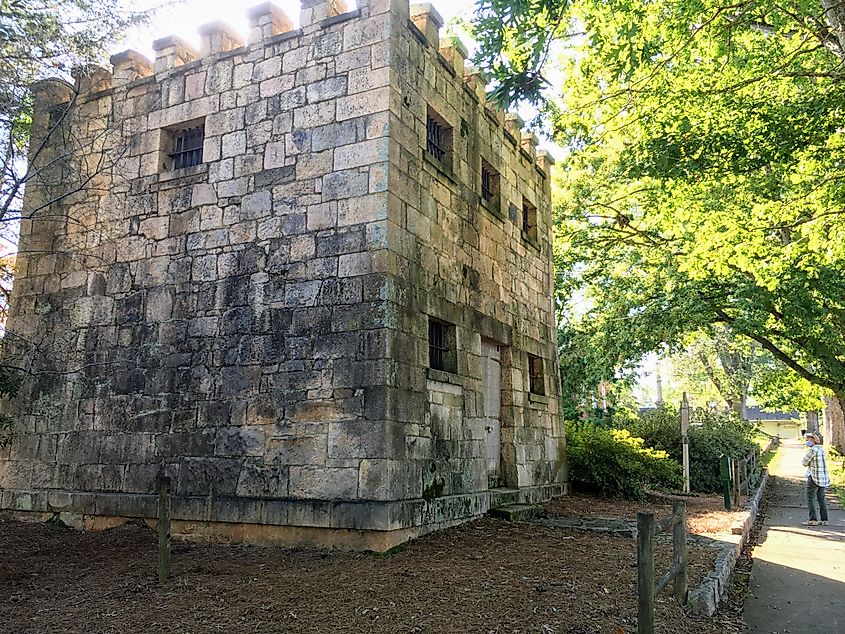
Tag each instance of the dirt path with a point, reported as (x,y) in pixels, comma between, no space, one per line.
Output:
(798,576)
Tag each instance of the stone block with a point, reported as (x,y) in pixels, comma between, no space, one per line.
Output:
(323,483)
(362,104)
(364,439)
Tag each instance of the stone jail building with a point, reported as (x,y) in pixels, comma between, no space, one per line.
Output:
(307,278)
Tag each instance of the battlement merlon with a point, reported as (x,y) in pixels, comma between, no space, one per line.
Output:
(129,66)
(455,52)
(47,94)
(172,51)
(426,18)
(267,20)
(91,79)
(218,37)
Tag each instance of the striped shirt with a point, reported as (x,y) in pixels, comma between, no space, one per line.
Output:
(816,463)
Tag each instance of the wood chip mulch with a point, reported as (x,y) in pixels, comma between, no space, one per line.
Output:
(485,576)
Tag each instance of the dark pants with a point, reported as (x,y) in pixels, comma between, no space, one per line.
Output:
(815,494)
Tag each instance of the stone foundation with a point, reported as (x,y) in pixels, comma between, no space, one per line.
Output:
(383,527)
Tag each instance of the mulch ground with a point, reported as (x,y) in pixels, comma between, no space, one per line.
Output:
(706,514)
(485,576)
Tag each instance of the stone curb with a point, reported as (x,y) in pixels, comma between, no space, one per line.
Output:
(706,597)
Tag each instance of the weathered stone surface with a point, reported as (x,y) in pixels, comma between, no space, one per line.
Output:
(256,326)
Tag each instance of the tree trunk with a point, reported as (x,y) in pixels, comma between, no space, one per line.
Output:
(737,404)
(835,12)
(834,421)
(812,421)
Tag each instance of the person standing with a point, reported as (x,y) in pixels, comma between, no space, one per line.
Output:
(818,479)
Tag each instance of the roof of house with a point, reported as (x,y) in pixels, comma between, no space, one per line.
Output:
(757,413)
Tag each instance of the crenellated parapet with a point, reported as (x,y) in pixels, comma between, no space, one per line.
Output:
(267,23)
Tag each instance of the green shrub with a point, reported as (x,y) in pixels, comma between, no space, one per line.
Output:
(612,462)
(710,436)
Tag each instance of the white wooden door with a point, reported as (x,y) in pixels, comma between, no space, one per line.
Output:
(492,389)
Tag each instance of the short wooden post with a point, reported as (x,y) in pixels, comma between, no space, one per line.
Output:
(645,573)
(163,529)
(679,550)
(734,482)
(746,477)
(724,468)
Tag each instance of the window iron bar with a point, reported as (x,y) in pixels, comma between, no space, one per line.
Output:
(529,220)
(487,184)
(435,137)
(436,346)
(187,147)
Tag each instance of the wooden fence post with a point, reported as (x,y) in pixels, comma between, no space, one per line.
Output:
(679,549)
(645,573)
(724,468)
(734,482)
(163,529)
(746,474)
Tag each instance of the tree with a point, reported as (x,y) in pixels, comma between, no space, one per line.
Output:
(42,39)
(724,361)
(705,181)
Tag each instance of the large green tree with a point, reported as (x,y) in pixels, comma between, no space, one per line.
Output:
(705,182)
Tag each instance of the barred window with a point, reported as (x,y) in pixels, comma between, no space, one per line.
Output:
(441,346)
(529,220)
(536,376)
(489,183)
(187,147)
(438,137)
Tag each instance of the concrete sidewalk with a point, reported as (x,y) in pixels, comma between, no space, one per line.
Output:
(798,578)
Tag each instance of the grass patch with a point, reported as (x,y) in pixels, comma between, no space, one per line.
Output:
(395,550)
(768,457)
(837,473)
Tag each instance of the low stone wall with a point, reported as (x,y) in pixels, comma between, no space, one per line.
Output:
(705,599)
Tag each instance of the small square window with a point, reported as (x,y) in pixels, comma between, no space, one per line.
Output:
(489,184)
(438,137)
(529,220)
(182,146)
(441,346)
(58,114)
(536,376)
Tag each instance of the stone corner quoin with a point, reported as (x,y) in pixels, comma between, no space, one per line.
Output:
(307,277)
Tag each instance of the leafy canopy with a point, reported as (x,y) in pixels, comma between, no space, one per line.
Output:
(41,39)
(705,180)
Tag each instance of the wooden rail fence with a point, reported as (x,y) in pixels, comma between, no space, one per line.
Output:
(737,474)
(647,587)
